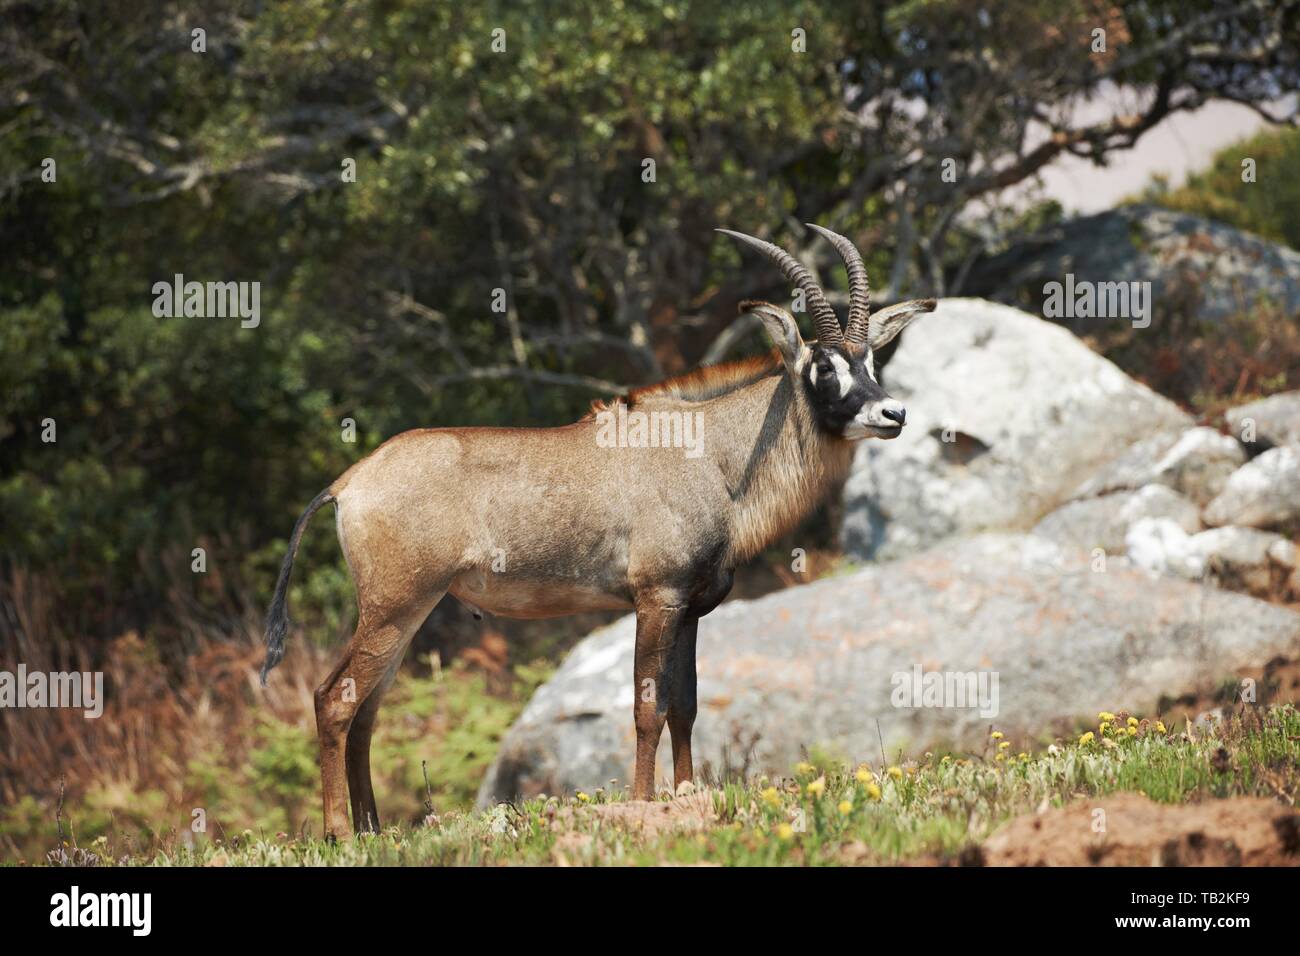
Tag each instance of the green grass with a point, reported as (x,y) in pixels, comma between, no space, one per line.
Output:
(822,814)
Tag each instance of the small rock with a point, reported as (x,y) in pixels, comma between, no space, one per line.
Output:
(1243,559)
(1104,522)
(1207,721)
(1263,493)
(1195,462)
(500,821)
(1268,422)
(1246,559)
(1161,546)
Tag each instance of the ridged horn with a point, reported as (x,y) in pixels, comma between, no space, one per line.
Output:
(824,318)
(857,329)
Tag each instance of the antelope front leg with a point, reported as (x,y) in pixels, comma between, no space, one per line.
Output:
(654,675)
(681,705)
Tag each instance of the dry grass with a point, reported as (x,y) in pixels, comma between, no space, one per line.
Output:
(1210,367)
(199,732)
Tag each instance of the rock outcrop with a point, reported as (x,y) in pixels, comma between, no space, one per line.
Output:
(1007,414)
(1263,493)
(1194,265)
(1268,422)
(834,664)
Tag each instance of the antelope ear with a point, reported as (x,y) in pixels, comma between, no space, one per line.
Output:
(784,331)
(887,323)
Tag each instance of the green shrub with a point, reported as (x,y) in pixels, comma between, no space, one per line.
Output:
(1268,207)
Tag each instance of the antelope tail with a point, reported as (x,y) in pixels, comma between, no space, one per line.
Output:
(277,616)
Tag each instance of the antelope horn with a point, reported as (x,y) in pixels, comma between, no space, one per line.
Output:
(857,329)
(824,318)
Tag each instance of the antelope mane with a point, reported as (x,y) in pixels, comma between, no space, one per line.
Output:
(699,385)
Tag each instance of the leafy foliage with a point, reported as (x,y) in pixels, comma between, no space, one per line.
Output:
(1268,206)
(496,147)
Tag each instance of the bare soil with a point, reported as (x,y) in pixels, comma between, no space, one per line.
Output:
(1241,831)
(688,813)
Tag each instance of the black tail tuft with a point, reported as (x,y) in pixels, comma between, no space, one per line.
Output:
(277,616)
(277,621)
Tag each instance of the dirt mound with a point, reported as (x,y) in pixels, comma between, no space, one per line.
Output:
(1131,830)
(690,812)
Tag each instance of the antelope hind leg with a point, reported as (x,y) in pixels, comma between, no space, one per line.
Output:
(369,661)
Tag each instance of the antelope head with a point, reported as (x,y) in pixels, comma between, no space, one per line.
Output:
(838,370)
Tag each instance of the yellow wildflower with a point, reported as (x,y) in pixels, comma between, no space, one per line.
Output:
(582,797)
(846,807)
(1132,721)
(873,791)
(1105,726)
(771,797)
(1004,745)
(1160,727)
(896,773)
(996,735)
(1086,738)
(817,787)
(803,767)
(1132,731)
(1105,715)
(863,775)
(785,832)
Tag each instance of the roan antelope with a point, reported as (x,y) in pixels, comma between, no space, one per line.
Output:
(534,523)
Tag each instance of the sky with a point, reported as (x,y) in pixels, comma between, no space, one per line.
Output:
(1182,143)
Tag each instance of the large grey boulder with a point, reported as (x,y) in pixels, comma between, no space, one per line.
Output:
(1103,522)
(815,666)
(1195,462)
(1195,266)
(1268,422)
(1006,413)
(1263,493)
